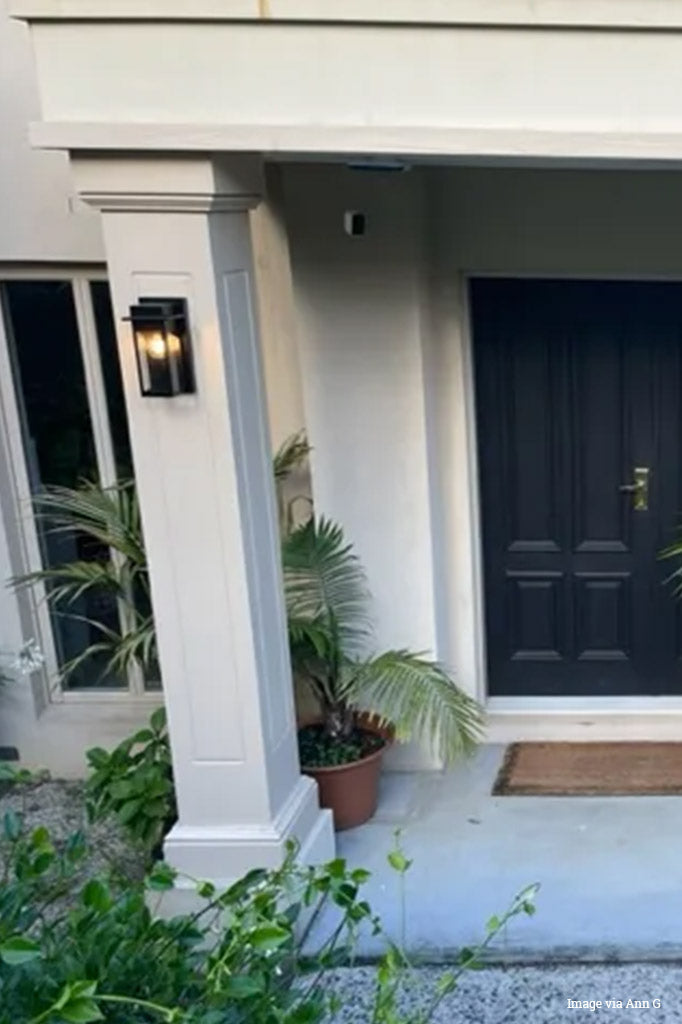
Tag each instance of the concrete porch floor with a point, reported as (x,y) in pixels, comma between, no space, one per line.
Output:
(610,869)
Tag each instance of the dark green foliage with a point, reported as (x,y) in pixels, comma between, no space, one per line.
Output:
(238,960)
(318,750)
(134,782)
(107,939)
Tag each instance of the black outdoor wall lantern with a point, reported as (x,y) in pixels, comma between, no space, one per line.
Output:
(162,347)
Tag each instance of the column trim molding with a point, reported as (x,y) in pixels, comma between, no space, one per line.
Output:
(281,826)
(138,202)
(227,851)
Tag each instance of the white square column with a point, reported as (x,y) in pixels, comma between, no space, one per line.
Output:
(179,228)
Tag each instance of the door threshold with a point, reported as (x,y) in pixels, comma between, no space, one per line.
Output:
(555,719)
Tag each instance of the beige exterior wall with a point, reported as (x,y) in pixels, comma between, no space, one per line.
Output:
(41,219)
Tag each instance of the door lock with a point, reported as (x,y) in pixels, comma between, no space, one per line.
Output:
(639,488)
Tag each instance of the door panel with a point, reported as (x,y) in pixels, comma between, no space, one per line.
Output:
(577,384)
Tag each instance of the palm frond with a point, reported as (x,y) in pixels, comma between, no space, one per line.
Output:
(674,550)
(309,636)
(290,454)
(68,582)
(108,515)
(324,582)
(289,457)
(86,655)
(136,647)
(420,699)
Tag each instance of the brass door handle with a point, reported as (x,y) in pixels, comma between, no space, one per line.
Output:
(639,488)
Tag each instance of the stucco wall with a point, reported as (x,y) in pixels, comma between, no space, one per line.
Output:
(40,218)
(386,360)
(359,301)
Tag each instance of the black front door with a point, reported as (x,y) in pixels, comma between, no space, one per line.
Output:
(579,413)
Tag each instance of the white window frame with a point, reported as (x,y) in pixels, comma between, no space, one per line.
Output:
(29,555)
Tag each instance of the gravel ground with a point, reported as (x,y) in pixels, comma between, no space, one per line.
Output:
(60,807)
(530,995)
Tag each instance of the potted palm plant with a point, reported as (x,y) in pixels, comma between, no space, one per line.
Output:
(364,698)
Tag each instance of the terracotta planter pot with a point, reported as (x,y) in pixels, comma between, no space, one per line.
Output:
(351,790)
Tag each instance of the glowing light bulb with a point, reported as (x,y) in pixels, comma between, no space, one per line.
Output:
(155,346)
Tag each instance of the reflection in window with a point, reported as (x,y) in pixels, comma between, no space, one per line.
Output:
(111,373)
(118,420)
(59,445)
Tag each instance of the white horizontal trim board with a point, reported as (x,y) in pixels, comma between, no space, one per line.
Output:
(332,142)
(663,14)
(365,89)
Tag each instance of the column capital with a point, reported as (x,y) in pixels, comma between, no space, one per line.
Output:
(169,184)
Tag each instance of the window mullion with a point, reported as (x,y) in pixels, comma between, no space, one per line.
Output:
(94,379)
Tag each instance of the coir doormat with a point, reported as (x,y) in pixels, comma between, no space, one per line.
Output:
(591,769)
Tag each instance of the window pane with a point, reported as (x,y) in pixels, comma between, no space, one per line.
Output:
(56,421)
(59,446)
(111,372)
(118,420)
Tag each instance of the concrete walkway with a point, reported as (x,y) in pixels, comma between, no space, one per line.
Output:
(532,995)
(610,869)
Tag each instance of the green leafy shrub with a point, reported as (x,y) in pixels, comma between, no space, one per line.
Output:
(76,949)
(63,934)
(134,782)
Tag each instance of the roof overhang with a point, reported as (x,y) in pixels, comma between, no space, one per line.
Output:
(460,80)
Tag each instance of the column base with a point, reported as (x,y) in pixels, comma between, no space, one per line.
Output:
(223,853)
